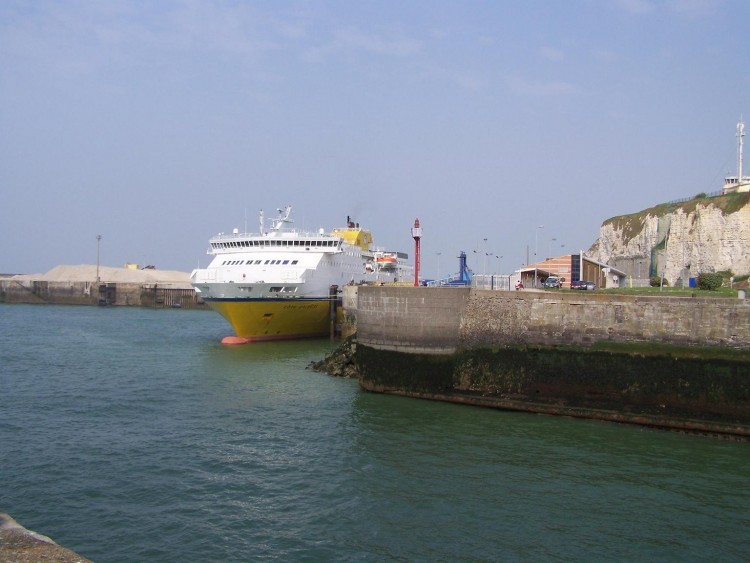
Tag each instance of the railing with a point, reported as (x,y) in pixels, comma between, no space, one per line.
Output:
(684,199)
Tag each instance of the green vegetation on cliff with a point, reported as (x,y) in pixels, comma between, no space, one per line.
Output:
(632,224)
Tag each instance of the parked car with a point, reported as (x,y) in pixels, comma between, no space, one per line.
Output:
(584,285)
(553,282)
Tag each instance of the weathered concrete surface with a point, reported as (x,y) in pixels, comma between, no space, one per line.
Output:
(443,320)
(19,545)
(410,319)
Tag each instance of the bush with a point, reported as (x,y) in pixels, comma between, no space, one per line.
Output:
(709,282)
(655,281)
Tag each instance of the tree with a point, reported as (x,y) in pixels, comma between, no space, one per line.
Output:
(709,281)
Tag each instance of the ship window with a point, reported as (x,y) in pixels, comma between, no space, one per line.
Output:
(275,289)
(285,262)
(258,261)
(267,261)
(294,262)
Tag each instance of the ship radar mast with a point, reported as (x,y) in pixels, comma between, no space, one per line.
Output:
(283,217)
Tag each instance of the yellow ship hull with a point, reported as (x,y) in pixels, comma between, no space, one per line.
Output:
(274,319)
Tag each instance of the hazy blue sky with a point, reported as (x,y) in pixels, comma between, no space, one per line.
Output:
(160,124)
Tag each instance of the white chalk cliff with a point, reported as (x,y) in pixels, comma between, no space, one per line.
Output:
(680,240)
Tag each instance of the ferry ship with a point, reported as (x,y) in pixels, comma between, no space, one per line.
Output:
(277,284)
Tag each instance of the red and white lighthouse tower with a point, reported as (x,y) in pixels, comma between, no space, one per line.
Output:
(416,234)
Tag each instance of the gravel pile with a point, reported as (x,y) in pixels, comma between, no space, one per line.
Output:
(87,272)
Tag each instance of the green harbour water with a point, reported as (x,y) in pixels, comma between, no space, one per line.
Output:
(131,434)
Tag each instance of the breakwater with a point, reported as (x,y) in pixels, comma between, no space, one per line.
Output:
(678,362)
(92,293)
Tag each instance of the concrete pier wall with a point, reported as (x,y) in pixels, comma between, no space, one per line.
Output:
(443,320)
(91,293)
(662,361)
(19,545)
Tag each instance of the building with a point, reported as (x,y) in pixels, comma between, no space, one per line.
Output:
(573,267)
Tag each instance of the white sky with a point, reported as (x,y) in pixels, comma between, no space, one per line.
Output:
(160,124)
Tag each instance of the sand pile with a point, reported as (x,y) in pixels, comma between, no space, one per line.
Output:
(87,272)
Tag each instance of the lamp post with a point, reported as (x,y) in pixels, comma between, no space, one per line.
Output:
(550,247)
(98,240)
(484,268)
(439,275)
(536,242)
(536,248)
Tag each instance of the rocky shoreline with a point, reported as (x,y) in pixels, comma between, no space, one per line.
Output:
(339,362)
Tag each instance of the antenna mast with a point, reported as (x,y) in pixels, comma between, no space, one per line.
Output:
(740,134)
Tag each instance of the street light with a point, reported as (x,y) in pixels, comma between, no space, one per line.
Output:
(484,272)
(98,240)
(549,250)
(536,242)
(536,247)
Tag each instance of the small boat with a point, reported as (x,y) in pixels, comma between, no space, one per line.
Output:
(387,261)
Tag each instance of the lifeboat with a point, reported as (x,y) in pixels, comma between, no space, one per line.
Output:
(386,262)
